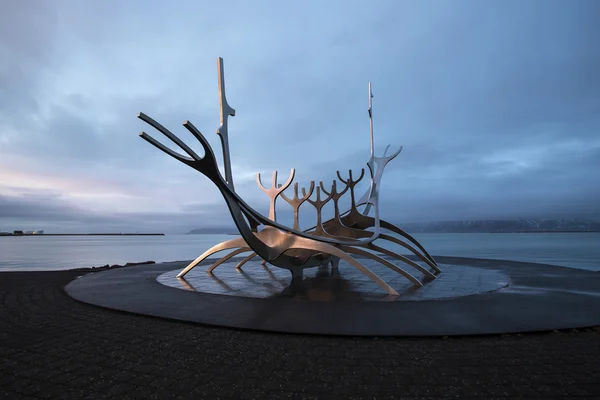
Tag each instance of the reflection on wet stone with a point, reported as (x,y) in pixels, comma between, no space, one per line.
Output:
(327,284)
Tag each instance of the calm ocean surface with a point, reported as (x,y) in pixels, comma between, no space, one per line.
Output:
(31,253)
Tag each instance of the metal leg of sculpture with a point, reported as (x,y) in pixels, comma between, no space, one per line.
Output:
(335,263)
(307,244)
(338,229)
(382,261)
(245,260)
(335,227)
(230,244)
(423,258)
(392,239)
(227,257)
(428,274)
(297,274)
(359,221)
(391,227)
(335,267)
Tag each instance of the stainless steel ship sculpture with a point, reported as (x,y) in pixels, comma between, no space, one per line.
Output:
(348,233)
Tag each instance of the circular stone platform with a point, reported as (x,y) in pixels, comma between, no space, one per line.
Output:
(325,284)
(471,296)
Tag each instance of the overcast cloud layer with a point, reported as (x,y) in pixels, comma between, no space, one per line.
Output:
(497,105)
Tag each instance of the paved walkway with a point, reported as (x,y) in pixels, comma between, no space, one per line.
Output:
(54,347)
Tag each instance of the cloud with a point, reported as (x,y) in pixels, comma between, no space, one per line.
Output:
(56,214)
(496,105)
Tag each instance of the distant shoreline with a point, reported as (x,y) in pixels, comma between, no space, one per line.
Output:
(87,234)
(552,232)
(417,232)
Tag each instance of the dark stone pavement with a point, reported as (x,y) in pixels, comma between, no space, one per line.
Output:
(537,298)
(53,347)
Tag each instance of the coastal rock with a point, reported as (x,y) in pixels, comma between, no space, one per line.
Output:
(139,263)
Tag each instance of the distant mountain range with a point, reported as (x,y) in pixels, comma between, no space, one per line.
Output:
(505,226)
(476,226)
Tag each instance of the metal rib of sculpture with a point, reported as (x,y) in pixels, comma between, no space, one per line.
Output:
(292,248)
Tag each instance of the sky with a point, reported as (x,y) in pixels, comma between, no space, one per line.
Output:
(496,105)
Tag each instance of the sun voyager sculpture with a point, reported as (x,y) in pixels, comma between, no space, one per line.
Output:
(346,235)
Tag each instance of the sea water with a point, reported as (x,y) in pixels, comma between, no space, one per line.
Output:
(45,253)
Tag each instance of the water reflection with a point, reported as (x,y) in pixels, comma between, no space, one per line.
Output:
(322,284)
(326,285)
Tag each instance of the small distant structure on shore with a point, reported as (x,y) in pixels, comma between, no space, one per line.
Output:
(41,232)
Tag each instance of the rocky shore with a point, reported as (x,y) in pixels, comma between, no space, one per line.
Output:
(107,266)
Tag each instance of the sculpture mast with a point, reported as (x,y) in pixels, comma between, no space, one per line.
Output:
(226,111)
(370,110)
(370,163)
